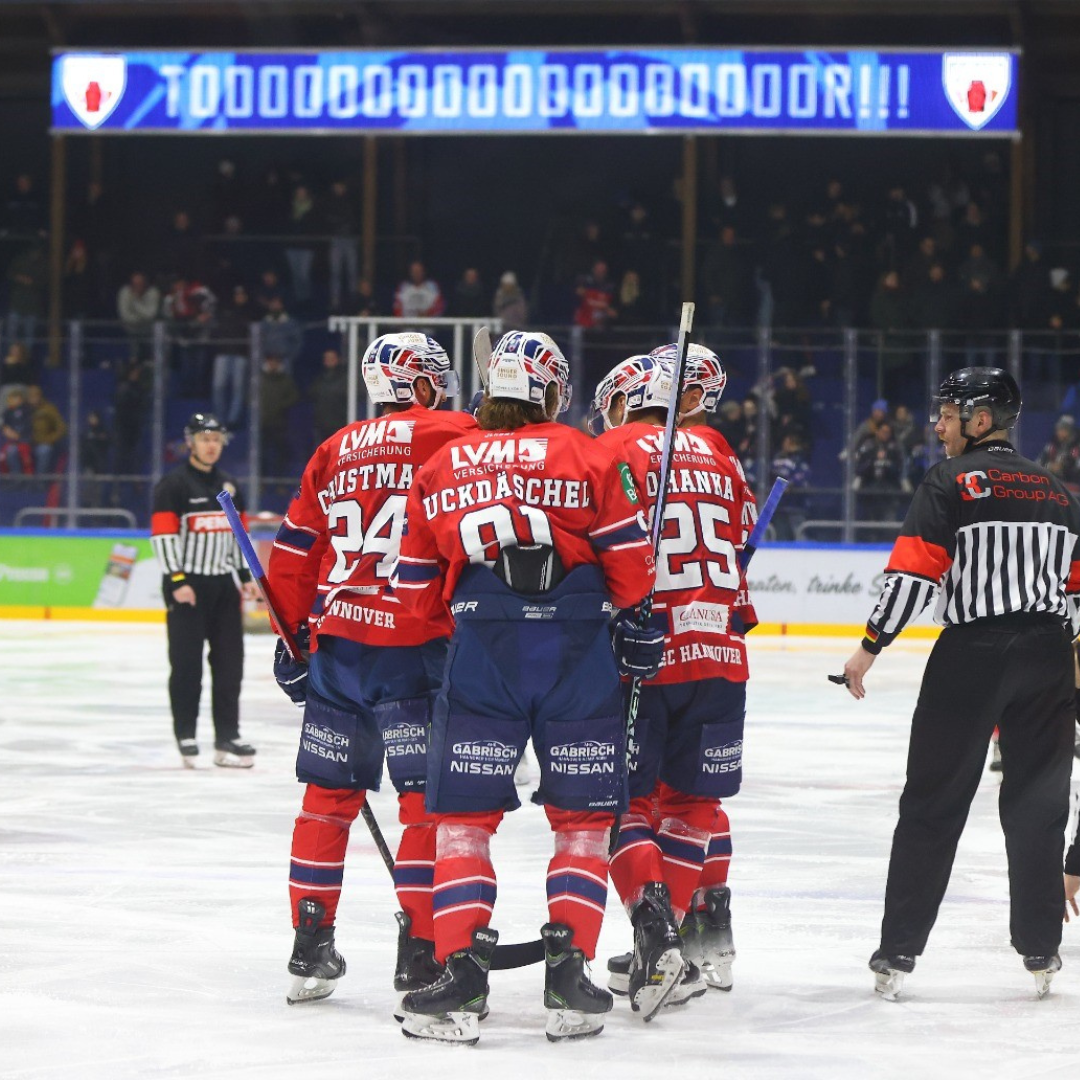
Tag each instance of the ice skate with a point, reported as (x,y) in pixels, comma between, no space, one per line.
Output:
(315,962)
(690,984)
(657,959)
(889,972)
(1044,968)
(449,1009)
(416,963)
(233,754)
(574,1004)
(715,940)
(189,752)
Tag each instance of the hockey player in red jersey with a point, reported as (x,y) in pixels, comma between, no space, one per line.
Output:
(674,843)
(531,533)
(374,666)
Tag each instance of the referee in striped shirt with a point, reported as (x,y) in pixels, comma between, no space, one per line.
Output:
(993,538)
(200,562)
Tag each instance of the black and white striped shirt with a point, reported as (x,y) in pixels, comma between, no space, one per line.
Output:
(188,529)
(988,534)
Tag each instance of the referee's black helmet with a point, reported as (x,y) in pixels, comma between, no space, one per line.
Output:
(204,421)
(990,388)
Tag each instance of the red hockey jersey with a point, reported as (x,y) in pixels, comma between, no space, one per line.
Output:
(333,555)
(543,483)
(698,583)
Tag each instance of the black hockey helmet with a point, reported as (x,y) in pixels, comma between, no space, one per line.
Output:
(992,388)
(201,421)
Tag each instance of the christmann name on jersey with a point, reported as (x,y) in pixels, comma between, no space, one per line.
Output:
(324,742)
(392,475)
(533,491)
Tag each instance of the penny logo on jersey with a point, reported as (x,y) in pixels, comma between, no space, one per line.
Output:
(976,85)
(93,86)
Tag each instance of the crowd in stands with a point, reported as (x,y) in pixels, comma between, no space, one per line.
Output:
(282,251)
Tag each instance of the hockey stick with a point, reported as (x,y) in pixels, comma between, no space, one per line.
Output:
(481,351)
(506,956)
(762,523)
(257,572)
(666,456)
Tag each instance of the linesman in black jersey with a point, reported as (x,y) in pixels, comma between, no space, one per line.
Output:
(993,537)
(201,561)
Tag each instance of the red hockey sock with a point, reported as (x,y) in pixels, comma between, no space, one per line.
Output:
(684,835)
(414,868)
(320,836)
(636,859)
(464,881)
(577,874)
(718,855)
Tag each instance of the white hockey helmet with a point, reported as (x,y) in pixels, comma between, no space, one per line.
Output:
(392,364)
(523,365)
(703,368)
(646,382)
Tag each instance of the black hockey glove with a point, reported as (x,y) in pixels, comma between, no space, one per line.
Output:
(292,675)
(639,650)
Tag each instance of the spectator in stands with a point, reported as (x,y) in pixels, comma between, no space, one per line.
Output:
(268,290)
(900,219)
(729,208)
(1029,289)
(470,297)
(364,302)
(888,315)
(842,301)
(300,255)
(329,396)
(282,335)
(1061,455)
(510,304)
(227,194)
(791,464)
(638,241)
(138,306)
(980,314)
(918,266)
(633,306)
(867,430)
(418,296)
(189,309)
(181,250)
(880,475)
(28,277)
(725,280)
(932,301)
(15,423)
(979,265)
(973,229)
(731,423)
(1061,313)
(596,298)
(77,285)
(790,407)
(340,217)
(912,440)
(131,401)
(94,456)
(47,430)
(231,339)
(584,250)
(277,395)
(24,215)
(17,369)
(269,211)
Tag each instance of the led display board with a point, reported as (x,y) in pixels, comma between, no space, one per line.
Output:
(538,91)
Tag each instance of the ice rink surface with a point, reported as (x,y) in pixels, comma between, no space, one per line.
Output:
(144,922)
